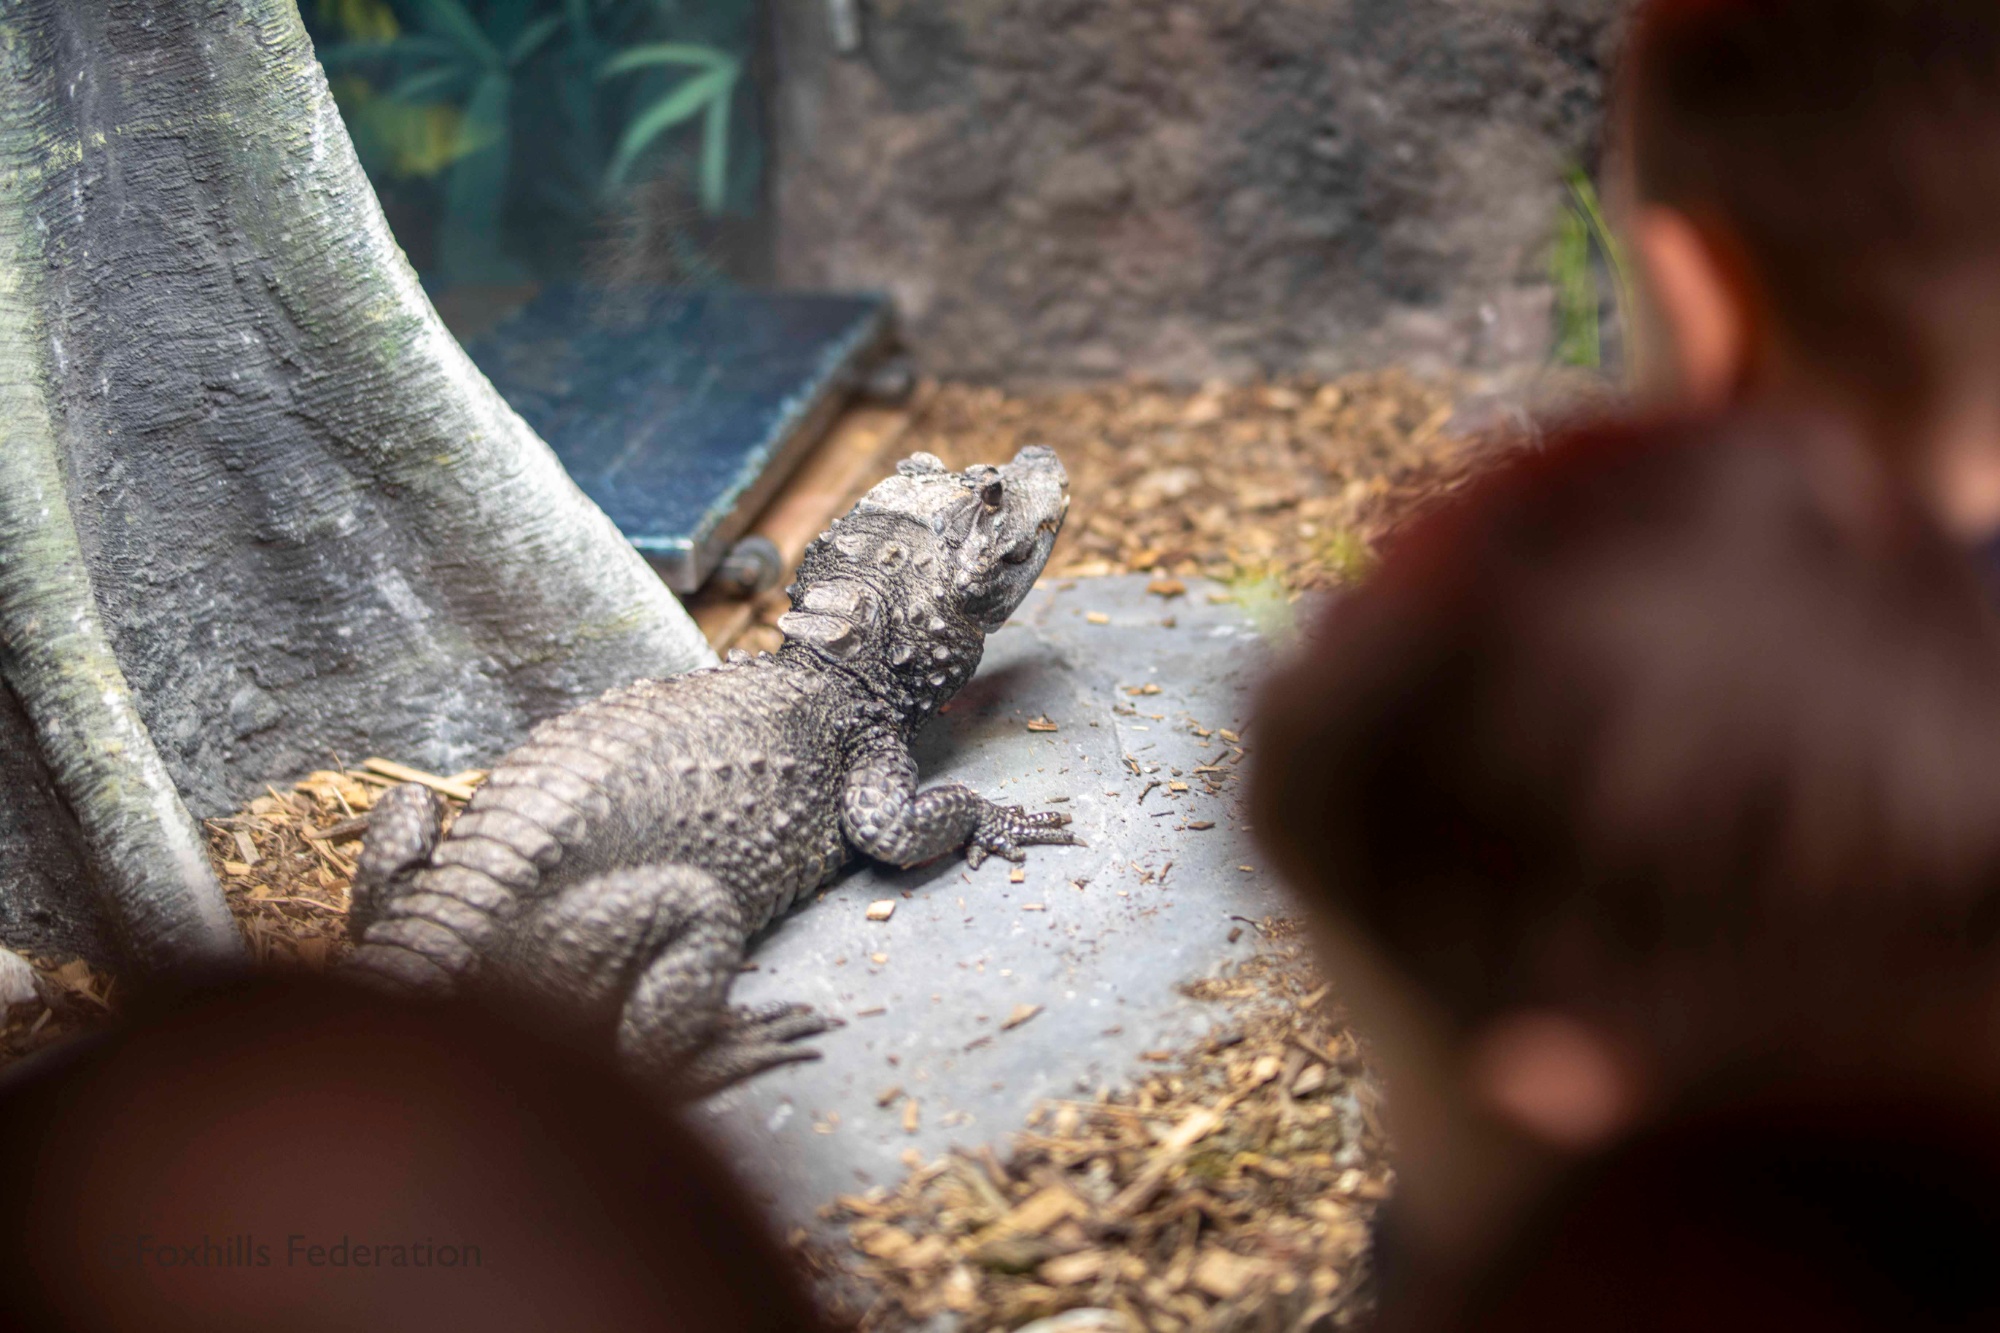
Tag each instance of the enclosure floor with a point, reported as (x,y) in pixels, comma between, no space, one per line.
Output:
(1090,934)
(1113,992)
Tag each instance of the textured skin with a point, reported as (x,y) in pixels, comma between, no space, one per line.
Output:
(613,869)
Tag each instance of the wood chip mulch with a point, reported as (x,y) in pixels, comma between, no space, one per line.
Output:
(1294,481)
(1292,485)
(75,997)
(287,859)
(285,862)
(1230,1189)
(1232,1186)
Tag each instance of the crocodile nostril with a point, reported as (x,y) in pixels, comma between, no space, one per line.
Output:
(990,494)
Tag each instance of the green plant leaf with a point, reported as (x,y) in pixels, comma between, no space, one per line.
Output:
(419,141)
(667,53)
(715,152)
(451,20)
(338,54)
(533,37)
(503,21)
(678,106)
(1578,340)
(1348,556)
(360,20)
(436,99)
(427,86)
(476,190)
(1266,603)
(1583,195)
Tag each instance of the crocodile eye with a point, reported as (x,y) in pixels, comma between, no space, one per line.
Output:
(991,493)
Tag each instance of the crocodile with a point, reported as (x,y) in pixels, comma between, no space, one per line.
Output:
(613,871)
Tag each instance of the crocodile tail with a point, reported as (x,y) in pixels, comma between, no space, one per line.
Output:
(427,909)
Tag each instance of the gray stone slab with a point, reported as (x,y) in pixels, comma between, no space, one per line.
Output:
(1090,935)
(681,412)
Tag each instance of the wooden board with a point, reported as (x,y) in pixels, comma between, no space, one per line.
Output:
(855,455)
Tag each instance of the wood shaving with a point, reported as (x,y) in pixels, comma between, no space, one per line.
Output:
(1230,1189)
(292,903)
(285,862)
(1295,482)
(457,788)
(1022,1013)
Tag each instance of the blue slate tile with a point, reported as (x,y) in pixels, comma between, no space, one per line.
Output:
(681,412)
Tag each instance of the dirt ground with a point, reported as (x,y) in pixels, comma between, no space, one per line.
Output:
(1230,1187)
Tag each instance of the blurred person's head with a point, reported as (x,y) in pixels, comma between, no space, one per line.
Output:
(1830,1208)
(296,1156)
(1813,201)
(1667,758)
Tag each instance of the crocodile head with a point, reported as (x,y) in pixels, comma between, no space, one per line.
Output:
(994,526)
(927,553)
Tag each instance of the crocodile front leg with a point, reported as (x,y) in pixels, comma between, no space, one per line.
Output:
(885,816)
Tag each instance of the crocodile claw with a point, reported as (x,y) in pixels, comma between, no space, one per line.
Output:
(1008,830)
(752,1040)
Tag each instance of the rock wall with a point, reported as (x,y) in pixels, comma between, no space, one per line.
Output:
(1065,189)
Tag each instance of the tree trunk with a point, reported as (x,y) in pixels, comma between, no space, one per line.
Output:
(257,509)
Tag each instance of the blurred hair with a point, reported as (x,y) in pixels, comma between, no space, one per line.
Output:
(1691,726)
(1823,1211)
(1846,147)
(302,1156)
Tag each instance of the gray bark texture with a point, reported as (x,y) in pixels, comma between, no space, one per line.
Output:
(257,509)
